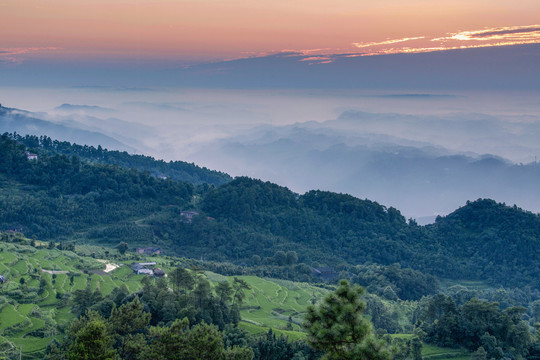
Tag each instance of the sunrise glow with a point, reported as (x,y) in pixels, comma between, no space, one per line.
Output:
(192,31)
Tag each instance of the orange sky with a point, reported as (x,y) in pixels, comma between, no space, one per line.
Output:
(221,29)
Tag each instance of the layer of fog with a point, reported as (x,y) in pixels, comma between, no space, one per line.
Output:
(321,139)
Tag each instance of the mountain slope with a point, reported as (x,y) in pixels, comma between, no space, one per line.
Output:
(177,170)
(495,240)
(256,222)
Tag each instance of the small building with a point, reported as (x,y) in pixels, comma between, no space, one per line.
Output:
(145,272)
(30,156)
(188,215)
(159,272)
(143,268)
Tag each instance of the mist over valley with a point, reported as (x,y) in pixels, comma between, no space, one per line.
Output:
(423,153)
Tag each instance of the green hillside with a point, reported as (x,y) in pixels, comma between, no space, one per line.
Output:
(34,310)
(177,170)
(38,300)
(251,222)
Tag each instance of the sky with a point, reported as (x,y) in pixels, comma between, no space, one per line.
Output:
(212,81)
(193,31)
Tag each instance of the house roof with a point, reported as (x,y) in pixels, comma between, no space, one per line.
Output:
(137,267)
(145,271)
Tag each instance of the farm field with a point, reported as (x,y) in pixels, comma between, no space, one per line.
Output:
(271,302)
(34,299)
(31,304)
(430,352)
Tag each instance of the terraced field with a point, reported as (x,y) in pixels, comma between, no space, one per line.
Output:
(271,302)
(431,352)
(31,304)
(30,299)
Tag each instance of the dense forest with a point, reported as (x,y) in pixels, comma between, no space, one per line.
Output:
(253,223)
(177,170)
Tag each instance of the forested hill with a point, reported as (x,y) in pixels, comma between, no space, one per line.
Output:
(178,170)
(481,240)
(331,227)
(494,239)
(256,223)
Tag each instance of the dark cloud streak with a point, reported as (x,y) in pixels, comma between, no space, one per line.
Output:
(506,32)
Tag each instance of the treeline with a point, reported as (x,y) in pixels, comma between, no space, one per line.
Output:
(498,244)
(177,170)
(68,194)
(478,325)
(179,317)
(127,334)
(253,223)
(496,241)
(181,295)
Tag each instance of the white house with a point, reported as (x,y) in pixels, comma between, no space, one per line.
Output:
(145,271)
(31,156)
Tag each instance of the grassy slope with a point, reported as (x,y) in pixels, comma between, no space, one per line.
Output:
(30,314)
(268,304)
(431,352)
(271,302)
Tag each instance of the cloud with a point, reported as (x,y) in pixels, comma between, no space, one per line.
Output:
(15,55)
(82,108)
(488,37)
(318,59)
(387,42)
(535,29)
(529,34)
(497,36)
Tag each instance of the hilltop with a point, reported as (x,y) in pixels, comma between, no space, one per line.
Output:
(177,170)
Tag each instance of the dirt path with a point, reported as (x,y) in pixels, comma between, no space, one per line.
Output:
(108,266)
(54,271)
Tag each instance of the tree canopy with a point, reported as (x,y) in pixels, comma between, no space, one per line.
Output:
(337,327)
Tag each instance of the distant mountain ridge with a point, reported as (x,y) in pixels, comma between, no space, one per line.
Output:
(24,122)
(415,176)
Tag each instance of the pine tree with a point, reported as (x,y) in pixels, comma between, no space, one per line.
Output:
(416,348)
(336,326)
